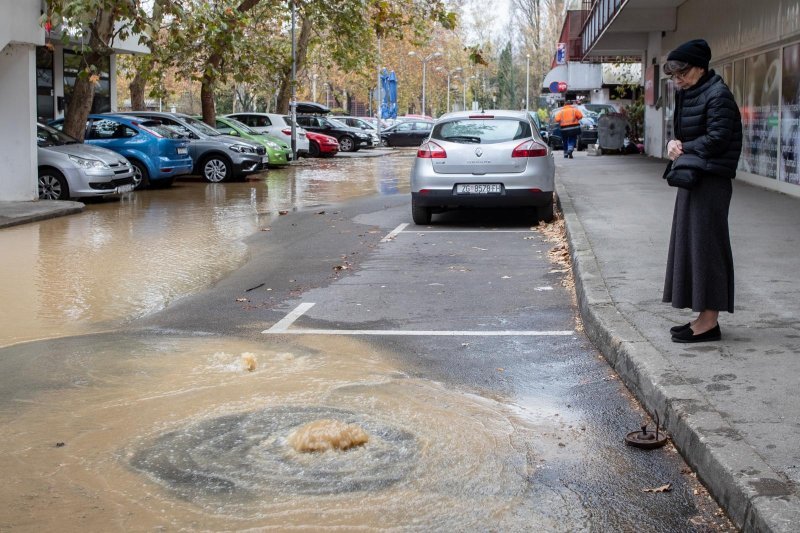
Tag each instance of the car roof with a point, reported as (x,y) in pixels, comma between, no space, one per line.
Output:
(498,113)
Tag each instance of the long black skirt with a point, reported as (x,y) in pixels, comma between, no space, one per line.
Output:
(700,263)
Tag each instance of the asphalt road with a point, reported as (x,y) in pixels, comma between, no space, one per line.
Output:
(456,345)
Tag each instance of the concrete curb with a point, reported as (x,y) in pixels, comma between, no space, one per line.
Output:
(16,213)
(755,497)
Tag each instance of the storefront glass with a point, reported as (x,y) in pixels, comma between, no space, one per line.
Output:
(760,114)
(790,115)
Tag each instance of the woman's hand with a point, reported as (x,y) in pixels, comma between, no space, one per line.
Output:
(674,149)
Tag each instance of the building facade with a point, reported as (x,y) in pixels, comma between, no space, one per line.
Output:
(756,49)
(35,84)
(20,33)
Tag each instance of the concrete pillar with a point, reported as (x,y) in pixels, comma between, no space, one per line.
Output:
(654,118)
(18,160)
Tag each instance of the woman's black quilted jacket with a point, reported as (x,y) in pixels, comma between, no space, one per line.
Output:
(708,123)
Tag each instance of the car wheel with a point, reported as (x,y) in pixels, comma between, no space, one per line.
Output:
(347,144)
(313,149)
(384,143)
(52,185)
(545,212)
(215,169)
(141,177)
(420,215)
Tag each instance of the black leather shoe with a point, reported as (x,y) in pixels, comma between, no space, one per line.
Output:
(678,329)
(687,335)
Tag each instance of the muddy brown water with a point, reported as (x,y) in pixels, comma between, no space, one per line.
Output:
(117,261)
(141,433)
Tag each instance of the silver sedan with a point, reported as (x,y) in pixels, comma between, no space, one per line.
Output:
(484,159)
(70,169)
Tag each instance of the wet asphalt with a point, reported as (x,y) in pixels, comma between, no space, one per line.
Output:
(474,303)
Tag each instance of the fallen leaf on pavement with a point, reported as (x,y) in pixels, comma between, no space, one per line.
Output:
(283,212)
(266,229)
(320,212)
(242,299)
(662,488)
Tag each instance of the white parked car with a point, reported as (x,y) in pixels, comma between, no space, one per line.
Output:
(274,124)
(71,169)
(491,158)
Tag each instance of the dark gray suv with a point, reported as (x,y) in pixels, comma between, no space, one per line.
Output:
(216,157)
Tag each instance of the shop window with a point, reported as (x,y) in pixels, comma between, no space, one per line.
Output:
(760,104)
(790,115)
(45,109)
(73,65)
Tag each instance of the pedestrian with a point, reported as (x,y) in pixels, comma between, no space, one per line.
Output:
(569,120)
(708,125)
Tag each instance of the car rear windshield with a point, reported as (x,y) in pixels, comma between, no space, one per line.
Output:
(482,131)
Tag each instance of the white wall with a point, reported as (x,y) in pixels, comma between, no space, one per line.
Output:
(654,118)
(19,22)
(18,160)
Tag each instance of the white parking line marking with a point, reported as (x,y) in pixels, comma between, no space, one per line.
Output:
(423,333)
(429,231)
(283,325)
(395,232)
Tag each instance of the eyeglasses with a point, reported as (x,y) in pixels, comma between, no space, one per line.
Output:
(681,73)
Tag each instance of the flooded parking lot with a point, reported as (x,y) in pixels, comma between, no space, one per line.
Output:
(120,260)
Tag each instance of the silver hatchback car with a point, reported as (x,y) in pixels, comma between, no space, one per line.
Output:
(71,169)
(491,158)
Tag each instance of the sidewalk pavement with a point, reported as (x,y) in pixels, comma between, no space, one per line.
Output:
(15,213)
(731,407)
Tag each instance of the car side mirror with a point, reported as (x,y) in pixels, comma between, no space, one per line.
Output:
(234,133)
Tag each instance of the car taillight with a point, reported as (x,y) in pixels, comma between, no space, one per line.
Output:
(431,150)
(287,131)
(529,149)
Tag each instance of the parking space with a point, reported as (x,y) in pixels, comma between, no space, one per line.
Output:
(444,280)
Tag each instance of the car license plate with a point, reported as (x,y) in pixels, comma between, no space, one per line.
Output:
(124,188)
(182,150)
(478,188)
(265,159)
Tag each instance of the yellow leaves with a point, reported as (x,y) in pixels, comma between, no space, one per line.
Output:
(663,488)
(94,78)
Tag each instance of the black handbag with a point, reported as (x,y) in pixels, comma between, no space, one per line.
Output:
(685,171)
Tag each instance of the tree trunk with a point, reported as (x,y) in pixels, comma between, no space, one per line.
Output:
(207,99)
(80,102)
(285,93)
(79,107)
(137,87)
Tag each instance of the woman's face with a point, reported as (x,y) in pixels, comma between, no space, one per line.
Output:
(687,78)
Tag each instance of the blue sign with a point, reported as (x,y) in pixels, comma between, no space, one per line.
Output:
(554,87)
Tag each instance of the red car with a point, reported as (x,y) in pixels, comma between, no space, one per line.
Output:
(320,145)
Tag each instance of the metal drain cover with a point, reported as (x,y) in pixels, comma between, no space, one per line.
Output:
(647,440)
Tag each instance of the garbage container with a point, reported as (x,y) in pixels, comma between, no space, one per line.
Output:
(611,130)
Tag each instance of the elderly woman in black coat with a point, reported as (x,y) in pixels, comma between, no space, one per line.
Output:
(707,125)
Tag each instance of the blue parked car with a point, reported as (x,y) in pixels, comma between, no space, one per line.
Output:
(157,153)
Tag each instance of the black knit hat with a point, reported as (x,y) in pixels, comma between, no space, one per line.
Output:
(695,52)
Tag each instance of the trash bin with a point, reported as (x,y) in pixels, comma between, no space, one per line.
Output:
(611,131)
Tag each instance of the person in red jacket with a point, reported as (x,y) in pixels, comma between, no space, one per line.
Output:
(569,120)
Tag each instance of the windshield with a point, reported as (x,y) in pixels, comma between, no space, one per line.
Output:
(47,136)
(482,131)
(201,126)
(241,126)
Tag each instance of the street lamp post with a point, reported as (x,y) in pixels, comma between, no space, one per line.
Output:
(449,73)
(424,65)
(527,81)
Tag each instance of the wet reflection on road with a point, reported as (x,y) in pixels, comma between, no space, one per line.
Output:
(120,260)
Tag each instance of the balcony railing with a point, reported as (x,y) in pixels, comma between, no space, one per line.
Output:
(600,14)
